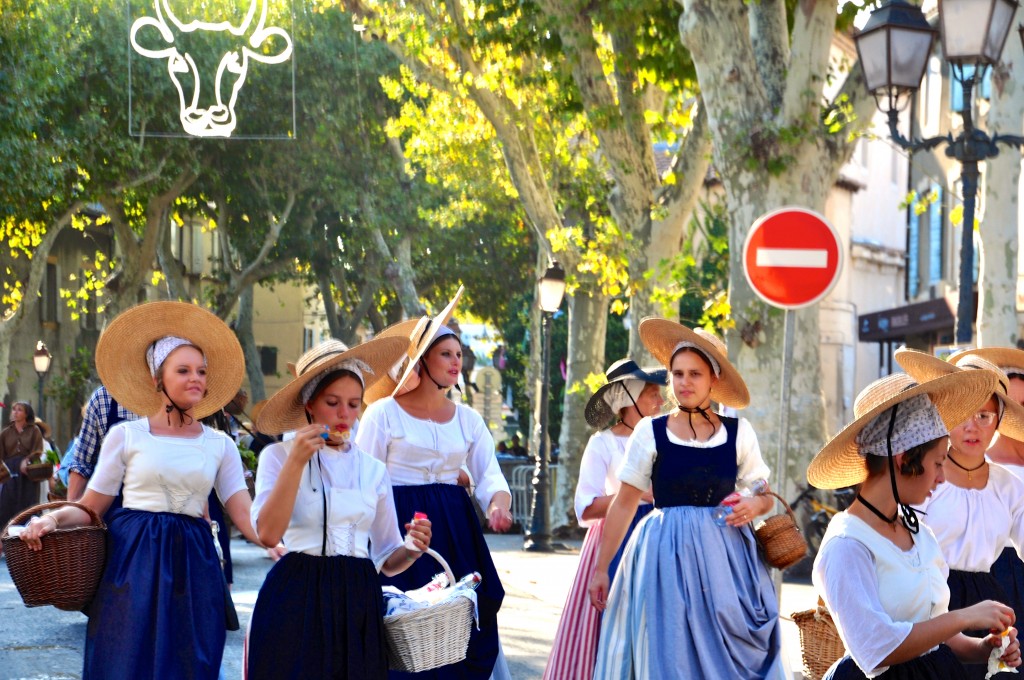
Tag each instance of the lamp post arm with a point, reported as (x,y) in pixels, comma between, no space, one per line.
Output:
(1015,141)
(913,145)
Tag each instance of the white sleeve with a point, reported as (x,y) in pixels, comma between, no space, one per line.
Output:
(751,467)
(481,461)
(108,476)
(385,537)
(638,465)
(271,461)
(844,576)
(372,435)
(593,472)
(230,475)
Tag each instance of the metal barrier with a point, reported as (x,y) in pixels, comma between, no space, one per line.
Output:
(521,486)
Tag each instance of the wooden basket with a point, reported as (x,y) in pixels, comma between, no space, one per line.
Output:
(782,544)
(39,472)
(431,637)
(820,645)
(67,571)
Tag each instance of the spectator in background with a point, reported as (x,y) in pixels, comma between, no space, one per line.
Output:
(21,442)
(102,412)
(501,449)
(517,449)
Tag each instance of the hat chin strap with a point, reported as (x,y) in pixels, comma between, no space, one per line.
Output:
(182,415)
(909,515)
(439,385)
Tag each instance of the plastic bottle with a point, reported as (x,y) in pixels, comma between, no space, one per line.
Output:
(409,545)
(471,581)
(724,508)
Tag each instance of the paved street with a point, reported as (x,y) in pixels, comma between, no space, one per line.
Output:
(46,644)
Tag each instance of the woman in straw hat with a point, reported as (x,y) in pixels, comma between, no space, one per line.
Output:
(881,573)
(21,442)
(161,607)
(980,508)
(691,599)
(318,614)
(425,439)
(630,394)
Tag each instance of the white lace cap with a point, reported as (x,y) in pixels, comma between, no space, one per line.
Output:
(158,352)
(356,366)
(917,422)
(618,395)
(711,360)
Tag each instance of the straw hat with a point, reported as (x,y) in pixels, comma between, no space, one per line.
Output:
(957,396)
(387,384)
(421,335)
(924,366)
(256,410)
(44,428)
(121,355)
(661,337)
(598,412)
(1003,357)
(285,411)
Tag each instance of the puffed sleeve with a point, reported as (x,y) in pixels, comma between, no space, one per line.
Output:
(638,465)
(384,535)
(108,474)
(267,470)
(593,472)
(481,461)
(751,467)
(230,475)
(372,435)
(844,575)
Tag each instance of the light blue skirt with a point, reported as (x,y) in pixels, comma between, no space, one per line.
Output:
(690,600)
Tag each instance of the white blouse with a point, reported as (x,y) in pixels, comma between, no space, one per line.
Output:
(876,591)
(994,516)
(424,452)
(641,451)
(360,507)
(601,458)
(157,473)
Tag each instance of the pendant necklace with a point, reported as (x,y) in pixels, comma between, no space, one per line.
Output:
(965,469)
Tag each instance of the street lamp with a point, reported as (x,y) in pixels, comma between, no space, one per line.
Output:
(894,47)
(550,290)
(41,361)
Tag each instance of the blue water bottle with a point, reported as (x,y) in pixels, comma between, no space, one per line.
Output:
(724,509)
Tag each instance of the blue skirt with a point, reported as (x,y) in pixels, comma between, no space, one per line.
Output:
(968,588)
(159,609)
(642,511)
(318,617)
(458,538)
(1008,572)
(940,664)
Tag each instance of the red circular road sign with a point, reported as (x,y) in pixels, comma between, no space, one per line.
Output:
(792,257)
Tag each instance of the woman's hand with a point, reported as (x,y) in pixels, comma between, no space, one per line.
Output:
(744,511)
(499,518)
(37,528)
(308,441)
(987,615)
(598,589)
(419,531)
(1011,657)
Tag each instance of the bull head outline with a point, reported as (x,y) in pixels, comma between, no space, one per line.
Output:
(218,120)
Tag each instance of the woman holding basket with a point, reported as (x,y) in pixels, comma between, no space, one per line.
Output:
(424,439)
(691,598)
(880,572)
(319,612)
(20,442)
(161,607)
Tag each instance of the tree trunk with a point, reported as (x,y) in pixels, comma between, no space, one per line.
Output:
(997,280)
(243,329)
(588,322)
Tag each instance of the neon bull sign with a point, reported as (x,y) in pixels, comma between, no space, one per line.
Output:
(209,111)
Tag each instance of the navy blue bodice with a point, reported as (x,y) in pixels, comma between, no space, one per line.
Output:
(687,475)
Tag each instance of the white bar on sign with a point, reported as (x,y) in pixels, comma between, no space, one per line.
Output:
(792,257)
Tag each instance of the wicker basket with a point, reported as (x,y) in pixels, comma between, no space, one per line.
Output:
(782,544)
(820,646)
(67,571)
(432,637)
(39,472)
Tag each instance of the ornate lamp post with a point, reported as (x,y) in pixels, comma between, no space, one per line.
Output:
(894,47)
(41,361)
(550,290)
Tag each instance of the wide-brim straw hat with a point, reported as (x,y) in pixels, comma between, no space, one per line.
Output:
(1003,357)
(121,355)
(661,336)
(387,384)
(423,335)
(285,411)
(44,428)
(923,366)
(956,396)
(597,411)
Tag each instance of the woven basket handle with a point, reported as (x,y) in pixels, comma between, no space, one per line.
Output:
(35,509)
(444,564)
(784,503)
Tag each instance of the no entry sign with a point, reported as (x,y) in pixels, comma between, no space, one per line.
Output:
(792,257)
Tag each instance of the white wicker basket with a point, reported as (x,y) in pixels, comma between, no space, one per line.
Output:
(431,637)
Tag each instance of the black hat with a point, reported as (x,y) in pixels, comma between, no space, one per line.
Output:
(598,411)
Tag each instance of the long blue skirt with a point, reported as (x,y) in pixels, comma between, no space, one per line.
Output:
(319,617)
(968,588)
(159,609)
(458,538)
(690,600)
(940,664)
(642,511)
(1008,572)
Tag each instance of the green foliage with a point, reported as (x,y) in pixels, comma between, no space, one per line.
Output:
(249,459)
(71,388)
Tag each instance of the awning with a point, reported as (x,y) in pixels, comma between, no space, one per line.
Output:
(898,323)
